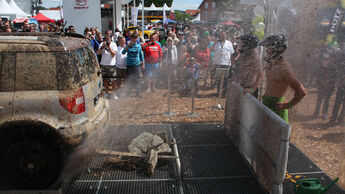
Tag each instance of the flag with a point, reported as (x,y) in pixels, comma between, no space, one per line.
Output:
(134,16)
(164,16)
(61,11)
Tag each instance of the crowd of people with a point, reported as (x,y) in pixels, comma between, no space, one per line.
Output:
(193,56)
(328,77)
(183,54)
(187,54)
(9,26)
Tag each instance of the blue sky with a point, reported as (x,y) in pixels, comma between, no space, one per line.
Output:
(177,4)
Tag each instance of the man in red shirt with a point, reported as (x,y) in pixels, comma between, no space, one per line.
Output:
(153,61)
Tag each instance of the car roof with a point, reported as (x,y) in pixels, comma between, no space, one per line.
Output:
(20,42)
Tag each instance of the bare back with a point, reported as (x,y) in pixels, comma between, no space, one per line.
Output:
(249,69)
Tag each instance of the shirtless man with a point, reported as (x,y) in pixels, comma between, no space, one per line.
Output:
(279,77)
(249,68)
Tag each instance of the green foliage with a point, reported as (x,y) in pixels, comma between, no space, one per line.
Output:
(182,16)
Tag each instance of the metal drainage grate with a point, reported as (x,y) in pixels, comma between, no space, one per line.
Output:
(137,187)
(193,134)
(223,186)
(83,188)
(213,161)
(299,163)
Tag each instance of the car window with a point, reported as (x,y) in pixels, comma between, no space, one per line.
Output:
(76,68)
(35,71)
(7,72)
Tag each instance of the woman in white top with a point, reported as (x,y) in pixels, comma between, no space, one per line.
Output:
(170,59)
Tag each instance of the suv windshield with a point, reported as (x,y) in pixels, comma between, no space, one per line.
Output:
(76,68)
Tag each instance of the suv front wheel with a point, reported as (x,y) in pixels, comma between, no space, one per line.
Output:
(30,164)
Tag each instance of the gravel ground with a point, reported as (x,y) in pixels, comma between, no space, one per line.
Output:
(320,141)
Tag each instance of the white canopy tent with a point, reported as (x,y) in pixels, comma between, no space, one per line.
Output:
(154,8)
(196,19)
(19,12)
(6,10)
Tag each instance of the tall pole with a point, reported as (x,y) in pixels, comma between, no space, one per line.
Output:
(127,15)
(142,18)
(134,5)
(114,16)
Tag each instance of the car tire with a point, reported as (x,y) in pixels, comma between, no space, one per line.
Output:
(30,164)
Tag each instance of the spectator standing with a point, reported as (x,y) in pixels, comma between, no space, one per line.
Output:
(71,29)
(191,72)
(223,50)
(94,42)
(338,113)
(203,58)
(170,59)
(153,61)
(108,51)
(121,64)
(325,84)
(99,39)
(135,60)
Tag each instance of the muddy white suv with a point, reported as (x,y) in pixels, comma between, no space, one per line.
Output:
(50,100)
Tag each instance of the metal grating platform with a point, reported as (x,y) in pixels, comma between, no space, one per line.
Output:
(300,165)
(212,161)
(298,162)
(210,164)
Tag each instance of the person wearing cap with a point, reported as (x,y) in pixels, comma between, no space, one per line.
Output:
(249,72)
(279,77)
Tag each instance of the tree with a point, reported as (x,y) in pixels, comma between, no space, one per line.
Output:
(182,16)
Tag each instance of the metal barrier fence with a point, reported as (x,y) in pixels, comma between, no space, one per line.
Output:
(261,136)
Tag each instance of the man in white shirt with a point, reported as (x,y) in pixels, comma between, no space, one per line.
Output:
(121,63)
(108,51)
(223,49)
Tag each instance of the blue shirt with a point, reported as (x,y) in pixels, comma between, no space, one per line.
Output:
(159,43)
(134,55)
(95,45)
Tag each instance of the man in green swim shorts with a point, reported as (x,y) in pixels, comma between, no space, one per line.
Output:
(279,77)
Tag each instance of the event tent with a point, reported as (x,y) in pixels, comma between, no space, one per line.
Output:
(52,14)
(19,12)
(43,19)
(6,10)
(170,20)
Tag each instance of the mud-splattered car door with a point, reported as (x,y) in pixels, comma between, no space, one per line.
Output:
(7,65)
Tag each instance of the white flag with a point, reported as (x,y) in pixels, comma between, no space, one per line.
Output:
(164,16)
(61,11)
(134,16)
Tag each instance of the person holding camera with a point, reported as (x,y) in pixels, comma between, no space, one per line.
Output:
(108,51)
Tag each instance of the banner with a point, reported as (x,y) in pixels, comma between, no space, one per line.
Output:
(82,13)
(134,16)
(164,16)
(337,18)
